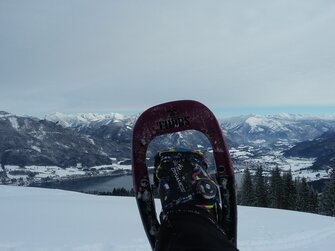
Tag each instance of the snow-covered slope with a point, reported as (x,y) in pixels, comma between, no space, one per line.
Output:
(52,220)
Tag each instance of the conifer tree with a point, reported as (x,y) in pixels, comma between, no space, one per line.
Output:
(247,190)
(302,196)
(328,197)
(276,189)
(313,203)
(289,192)
(261,191)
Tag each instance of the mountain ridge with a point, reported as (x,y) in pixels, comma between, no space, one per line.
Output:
(95,139)
(31,141)
(321,148)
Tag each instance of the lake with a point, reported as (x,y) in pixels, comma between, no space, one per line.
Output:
(101,184)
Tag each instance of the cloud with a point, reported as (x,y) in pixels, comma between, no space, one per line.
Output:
(128,55)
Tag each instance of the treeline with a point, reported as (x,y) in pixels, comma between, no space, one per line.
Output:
(283,192)
(115,192)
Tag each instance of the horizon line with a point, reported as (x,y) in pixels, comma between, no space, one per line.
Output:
(220,112)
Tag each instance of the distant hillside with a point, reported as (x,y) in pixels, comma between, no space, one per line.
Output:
(31,141)
(273,130)
(113,127)
(118,128)
(321,148)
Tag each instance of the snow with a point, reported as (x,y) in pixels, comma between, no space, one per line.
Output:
(55,172)
(36,148)
(238,153)
(258,141)
(254,122)
(83,119)
(257,123)
(14,123)
(248,156)
(92,141)
(273,229)
(41,219)
(34,219)
(45,171)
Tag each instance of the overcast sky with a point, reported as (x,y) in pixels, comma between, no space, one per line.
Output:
(125,56)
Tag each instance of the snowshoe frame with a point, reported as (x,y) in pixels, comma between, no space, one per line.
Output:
(174,117)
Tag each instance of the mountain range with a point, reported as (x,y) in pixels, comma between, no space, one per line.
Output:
(92,139)
(27,140)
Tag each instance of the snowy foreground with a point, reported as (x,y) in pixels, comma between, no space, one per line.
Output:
(53,220)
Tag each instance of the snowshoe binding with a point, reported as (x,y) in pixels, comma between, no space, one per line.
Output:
(181,179)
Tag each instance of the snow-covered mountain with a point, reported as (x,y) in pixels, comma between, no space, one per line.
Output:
(52,220)
(262,140)
(119,128)
(274,130)
(88,119)
(241,130)
(89,140)
(113,127)
(31,141)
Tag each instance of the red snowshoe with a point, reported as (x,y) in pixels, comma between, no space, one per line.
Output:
(181,175)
